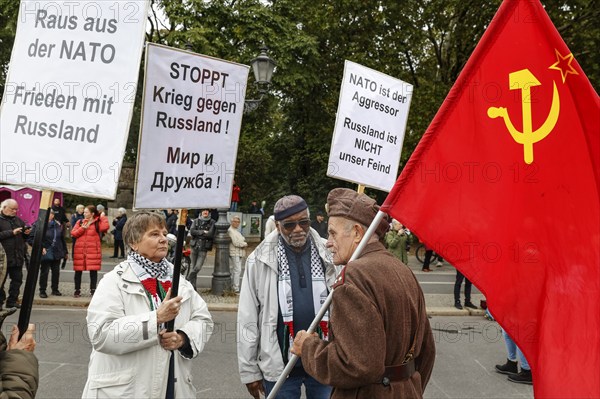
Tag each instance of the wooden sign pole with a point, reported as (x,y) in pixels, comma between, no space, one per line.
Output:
(34,264)
(175,291)
(177,266)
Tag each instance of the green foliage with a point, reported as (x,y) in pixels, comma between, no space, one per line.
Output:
(9,10)
(284,144)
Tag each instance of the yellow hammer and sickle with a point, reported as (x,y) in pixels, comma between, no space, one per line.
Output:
(523,80)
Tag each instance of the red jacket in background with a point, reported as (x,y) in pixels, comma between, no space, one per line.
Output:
(88,252)
(235,193)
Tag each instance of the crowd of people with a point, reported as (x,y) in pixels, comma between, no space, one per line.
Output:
(285,281)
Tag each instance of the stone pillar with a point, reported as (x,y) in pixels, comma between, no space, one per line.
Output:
(124,196)
(221,276)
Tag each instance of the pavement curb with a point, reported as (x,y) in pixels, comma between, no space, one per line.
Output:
(71,302)
(452,311)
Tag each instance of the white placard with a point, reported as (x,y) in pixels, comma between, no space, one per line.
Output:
(69,94)
(369,129)
(193,107)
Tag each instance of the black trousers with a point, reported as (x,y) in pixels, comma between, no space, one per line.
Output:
(16,279)
(459,279)
(119,245)
(45,268)
(427,259)
(93,280)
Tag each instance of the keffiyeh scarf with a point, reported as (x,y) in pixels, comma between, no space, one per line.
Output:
(155,277)
(286,303)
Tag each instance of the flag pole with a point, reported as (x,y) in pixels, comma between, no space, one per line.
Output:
(361,246)
(34,263)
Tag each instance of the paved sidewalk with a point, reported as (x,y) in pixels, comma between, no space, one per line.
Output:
(437,304)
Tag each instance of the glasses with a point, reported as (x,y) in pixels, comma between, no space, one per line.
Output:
(304,223)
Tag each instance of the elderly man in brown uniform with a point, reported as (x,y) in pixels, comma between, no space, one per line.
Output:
(382,345)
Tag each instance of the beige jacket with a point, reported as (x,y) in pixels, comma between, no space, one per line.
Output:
(238,243)
(259,355)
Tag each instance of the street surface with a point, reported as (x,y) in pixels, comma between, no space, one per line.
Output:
(468,347)
(439,281)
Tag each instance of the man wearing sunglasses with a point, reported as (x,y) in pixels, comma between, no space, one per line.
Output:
(287,278)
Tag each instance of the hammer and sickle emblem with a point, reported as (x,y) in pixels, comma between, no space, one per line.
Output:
(523,80)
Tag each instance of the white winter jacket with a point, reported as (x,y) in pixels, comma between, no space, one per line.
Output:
(259,355)
(127,360)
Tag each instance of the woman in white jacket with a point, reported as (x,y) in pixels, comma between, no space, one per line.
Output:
(126,322)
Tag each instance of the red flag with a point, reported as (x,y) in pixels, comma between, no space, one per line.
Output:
(505,185)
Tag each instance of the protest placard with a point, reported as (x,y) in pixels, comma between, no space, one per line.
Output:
(69,94)
(193,107)
(369,128)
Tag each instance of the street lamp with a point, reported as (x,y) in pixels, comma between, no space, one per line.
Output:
(263,67)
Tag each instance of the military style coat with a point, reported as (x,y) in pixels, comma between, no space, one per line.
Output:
(378,310)
(19,376)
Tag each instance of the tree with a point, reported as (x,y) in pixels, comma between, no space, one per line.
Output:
(9,10)
(284,145)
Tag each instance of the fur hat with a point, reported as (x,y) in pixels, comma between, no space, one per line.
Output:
(346,203)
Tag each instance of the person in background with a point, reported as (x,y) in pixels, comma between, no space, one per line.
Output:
(236,252)
(172,215)
(235,197)
(254,208)
(60,215)
(270,225)
(427,260)
(119,223)
(396,241)
(133,355)
(203,233)
(286,280)
(100,209)
(511,367)
(382,345)
(54,250)
(75,216)
(320,224)
(88,249)
(13,235)
(457,283)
